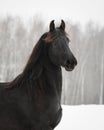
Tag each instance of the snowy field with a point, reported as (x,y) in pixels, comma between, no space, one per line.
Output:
(89,117)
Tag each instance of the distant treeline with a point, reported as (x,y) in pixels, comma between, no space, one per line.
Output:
(84,85)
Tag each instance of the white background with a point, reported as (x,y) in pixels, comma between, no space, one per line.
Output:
(75,10)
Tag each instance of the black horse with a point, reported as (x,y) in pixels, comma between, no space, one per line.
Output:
(32,101)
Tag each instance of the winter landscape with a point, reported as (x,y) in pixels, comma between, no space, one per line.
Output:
(21,25)
(85,84)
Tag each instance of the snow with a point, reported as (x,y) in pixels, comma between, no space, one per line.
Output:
(82,117)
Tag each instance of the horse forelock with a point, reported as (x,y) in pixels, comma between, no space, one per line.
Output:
(51,36)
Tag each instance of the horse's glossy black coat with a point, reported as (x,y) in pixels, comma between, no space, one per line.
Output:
(32,101)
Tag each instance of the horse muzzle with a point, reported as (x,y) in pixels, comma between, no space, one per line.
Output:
(70,64)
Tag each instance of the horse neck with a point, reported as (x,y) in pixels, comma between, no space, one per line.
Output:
(44,68)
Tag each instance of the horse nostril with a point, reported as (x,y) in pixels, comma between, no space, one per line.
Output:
(67,62)
(71,62)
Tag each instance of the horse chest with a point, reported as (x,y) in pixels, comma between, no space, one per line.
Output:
(46,101)
(48,90)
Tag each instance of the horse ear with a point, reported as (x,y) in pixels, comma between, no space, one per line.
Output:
(52,26)
(62,26)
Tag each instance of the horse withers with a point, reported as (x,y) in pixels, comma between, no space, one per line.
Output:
(32,101)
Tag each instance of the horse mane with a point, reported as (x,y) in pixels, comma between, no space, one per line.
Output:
(32,65)
(35,55)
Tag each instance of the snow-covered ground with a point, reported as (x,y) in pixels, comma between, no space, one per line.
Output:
(82,117)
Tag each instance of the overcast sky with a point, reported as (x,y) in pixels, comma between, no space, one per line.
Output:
(75,10)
